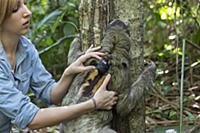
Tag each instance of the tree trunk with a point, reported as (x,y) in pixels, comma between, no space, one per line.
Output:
(94,18)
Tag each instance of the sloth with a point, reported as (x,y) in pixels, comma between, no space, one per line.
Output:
(116,44)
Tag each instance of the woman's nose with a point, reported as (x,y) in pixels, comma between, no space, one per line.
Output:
(27,12)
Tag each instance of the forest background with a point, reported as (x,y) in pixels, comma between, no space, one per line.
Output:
(167,23)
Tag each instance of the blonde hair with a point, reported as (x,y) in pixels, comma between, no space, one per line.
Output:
(6,8)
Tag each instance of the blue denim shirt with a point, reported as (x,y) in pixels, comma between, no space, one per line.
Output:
(15,106)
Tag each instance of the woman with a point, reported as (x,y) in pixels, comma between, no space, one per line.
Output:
(21,69)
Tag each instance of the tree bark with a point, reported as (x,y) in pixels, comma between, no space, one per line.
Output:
(94,18)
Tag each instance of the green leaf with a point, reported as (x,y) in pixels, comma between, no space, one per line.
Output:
(69,28)
(49,41)
(190,116)
(166,89)
(56,23)
(172,115)
(196,37)
(52,16)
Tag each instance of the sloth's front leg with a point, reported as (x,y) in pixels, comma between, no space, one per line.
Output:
(144,82)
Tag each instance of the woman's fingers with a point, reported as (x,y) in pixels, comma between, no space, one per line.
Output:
(104,84)
(89,68)
(95,49)
(78,65)
(91,49)
(112,100)
(97,55)
(105,99)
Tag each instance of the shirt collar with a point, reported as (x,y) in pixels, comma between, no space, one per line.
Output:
(2,52)
(21,51)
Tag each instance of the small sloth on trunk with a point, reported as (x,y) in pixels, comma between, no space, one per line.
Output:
(116,44)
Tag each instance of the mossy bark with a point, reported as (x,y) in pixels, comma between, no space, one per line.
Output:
(94,18)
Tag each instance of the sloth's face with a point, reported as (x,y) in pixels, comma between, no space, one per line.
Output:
(116,45)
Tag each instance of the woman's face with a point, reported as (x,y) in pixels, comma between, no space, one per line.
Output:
(18,22)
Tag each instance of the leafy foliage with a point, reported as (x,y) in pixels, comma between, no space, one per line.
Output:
(54,21)
(167,23)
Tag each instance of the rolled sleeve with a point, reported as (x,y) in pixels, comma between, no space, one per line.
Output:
(42,82)
(14,104)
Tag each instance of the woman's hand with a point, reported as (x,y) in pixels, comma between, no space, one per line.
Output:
(78,66)
(104,99)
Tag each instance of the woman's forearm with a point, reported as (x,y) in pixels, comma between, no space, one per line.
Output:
(52,116)
(102,99)
(61,88)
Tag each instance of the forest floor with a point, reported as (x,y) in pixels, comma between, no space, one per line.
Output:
(163,103)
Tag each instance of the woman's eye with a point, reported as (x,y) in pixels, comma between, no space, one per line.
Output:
(17,7)
(15,10)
